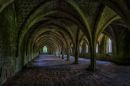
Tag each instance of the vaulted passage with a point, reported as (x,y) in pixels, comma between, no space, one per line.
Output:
(63,32)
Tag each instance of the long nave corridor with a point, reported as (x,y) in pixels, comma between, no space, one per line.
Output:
(64,42)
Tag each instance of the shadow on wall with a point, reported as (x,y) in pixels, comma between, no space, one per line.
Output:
(105,57)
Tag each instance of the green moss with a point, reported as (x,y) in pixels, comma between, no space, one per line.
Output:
(8,41)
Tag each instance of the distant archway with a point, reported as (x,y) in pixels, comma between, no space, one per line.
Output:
(45,50)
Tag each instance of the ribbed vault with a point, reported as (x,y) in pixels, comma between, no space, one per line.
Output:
(67,27)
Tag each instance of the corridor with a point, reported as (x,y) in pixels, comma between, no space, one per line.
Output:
(49,70)
(64,42)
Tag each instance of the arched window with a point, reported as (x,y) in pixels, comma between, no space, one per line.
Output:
(97,48)
(109,46)
(45,49)
(86,48)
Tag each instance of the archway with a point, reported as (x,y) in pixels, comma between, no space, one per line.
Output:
(45,50)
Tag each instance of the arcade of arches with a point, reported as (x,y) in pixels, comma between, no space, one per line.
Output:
(69,30)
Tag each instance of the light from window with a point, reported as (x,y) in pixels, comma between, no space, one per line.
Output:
(45,49)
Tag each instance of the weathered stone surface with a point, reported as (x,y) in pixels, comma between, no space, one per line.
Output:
(53,71)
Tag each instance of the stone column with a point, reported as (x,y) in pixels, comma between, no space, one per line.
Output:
(68,54)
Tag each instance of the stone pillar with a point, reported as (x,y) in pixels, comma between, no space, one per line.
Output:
(102,46)
(76,54)
(83,49)
(62,53)
(68,54)
(92,66)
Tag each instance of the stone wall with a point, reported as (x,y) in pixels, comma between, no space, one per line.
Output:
(8,34)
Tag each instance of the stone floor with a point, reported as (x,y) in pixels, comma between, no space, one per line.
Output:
(53,71)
